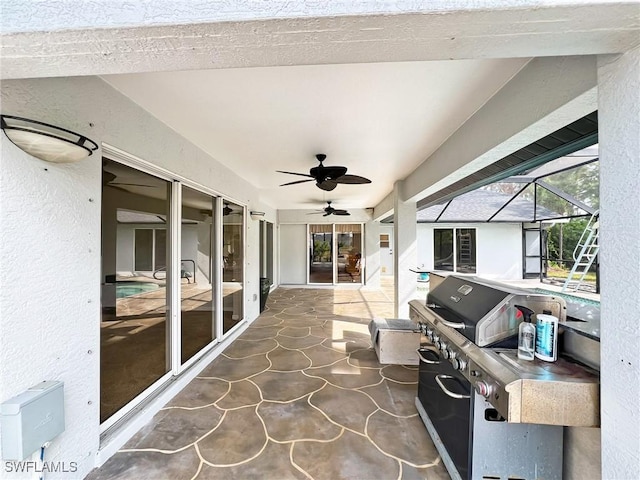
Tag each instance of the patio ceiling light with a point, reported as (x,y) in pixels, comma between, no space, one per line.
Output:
(47,142)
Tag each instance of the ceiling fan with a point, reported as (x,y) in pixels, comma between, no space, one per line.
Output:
(227,210)
(327,178)
(109,177)
(329,210)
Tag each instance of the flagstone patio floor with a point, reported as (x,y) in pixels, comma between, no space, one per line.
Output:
(299,395)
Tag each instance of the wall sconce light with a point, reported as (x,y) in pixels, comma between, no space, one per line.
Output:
(47,142)
(256,215)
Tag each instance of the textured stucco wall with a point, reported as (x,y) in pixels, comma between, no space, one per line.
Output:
(372,254)
(50,244)
(404,252)
(21,15)
(49,293)
(75,37)
(498,248)
(293,254)
(619,119)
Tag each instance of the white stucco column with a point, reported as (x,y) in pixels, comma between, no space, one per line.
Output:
(372,254)
(619,137)
(404,252)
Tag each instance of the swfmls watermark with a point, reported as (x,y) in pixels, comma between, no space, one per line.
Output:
(40,467)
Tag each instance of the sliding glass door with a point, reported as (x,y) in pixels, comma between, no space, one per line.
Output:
(134,327)
(233,265)
(197,273)
(321,253)
(349,241)
(335,253)
(172,281)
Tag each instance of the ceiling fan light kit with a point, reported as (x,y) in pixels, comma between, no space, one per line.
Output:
(327,178)
(46,142)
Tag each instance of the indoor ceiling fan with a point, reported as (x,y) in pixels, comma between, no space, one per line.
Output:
(227,210)
(327,178)
(329,210)
(109,177)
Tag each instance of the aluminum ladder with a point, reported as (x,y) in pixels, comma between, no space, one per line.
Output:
(584,254)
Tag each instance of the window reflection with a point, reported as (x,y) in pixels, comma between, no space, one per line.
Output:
(197,272)
(232,264)
(321,253)
(349,239)
(134,325)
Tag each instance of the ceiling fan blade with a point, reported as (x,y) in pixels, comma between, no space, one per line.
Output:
(352,179)
(327,214)
(327,185)
(295,173)
(315,213)
(107,177)
(341,212)
(297,181)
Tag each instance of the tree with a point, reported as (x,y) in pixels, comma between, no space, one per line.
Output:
(571,233)
(320,250)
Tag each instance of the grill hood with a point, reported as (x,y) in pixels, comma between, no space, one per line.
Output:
(484,311)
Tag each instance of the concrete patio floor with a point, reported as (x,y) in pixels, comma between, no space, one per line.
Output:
(300,395)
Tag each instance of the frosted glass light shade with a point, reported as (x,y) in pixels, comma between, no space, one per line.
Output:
(47,142)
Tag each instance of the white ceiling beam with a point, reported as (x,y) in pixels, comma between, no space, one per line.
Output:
(384,208)
(68,38)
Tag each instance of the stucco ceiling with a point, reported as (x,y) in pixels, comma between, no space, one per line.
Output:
(381,120)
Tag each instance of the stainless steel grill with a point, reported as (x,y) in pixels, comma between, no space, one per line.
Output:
(469,369)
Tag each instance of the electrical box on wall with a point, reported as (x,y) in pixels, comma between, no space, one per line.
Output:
(29,420)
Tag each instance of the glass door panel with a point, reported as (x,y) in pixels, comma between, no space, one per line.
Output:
(443,249)
(349,242)
(321,254)
(269,252)
(197,278)
(466,250)
(134,327)
(232,265)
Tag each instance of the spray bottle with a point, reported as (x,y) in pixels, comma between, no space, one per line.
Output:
(526,335)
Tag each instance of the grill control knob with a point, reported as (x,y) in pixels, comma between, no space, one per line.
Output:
(459,364)
(483,388)
(435,339)
(446,353)
(428,332)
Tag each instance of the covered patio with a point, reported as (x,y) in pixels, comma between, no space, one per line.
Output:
(300,394)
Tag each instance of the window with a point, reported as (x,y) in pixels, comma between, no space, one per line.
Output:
(466,250)
(173,260)
(233,264)
(150,249)
(384,240)
(443,249)
(454,249)
(135,342)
